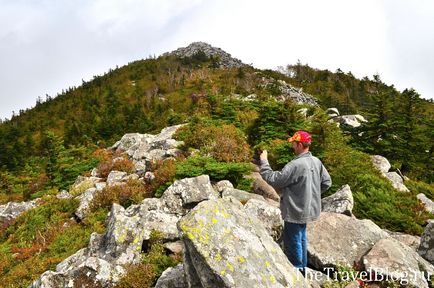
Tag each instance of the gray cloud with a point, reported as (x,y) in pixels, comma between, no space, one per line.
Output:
(48,45)
(410,37)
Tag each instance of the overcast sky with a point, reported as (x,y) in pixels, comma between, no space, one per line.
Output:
(50,45)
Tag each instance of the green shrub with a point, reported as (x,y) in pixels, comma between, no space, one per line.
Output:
(417,187)
(377,200)
(199,165)
(71,163)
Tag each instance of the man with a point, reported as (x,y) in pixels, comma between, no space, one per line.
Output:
(301,183)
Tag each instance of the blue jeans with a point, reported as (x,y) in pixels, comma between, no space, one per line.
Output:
(295,244)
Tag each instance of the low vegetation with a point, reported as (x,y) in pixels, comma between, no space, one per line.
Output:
(41,238)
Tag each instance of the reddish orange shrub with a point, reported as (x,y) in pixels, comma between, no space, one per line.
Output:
(133,191)
(106,164)
(224,143)
(164,171)
(123,164)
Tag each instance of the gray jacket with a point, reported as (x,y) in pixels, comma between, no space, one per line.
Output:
(300,183)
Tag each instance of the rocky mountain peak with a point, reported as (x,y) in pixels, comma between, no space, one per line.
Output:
(225,60)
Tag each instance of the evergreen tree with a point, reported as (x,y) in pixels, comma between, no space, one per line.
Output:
(50,147)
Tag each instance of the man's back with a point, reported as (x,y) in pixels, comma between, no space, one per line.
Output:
(301,183)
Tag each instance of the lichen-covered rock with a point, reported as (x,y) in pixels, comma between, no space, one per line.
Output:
(130,140)
(241,195)
(316,278)
(173,277)
(340,202)
(426,248)
(143,148)
(80,179)
(82,184)
(337,239)
(127,229)
(12,210)
(64,195)
(391,258)
(221,185)
(86,271)
(186,193)
(269,215)
(49,279)
(100,264)
(85,200)
(115,177)
(226,247)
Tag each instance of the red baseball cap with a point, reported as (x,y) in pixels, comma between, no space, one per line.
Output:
(300,136)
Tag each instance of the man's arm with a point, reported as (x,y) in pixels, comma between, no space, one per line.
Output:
(277,179)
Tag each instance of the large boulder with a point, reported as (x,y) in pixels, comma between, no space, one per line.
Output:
(88,195)
(127,229)
(409,240)
(226,247)
(143,148)
(221,185)
(115,177)
(383,165)
(340,202)
(426,248)
(85,202)
(394,260)
(270,216)
(337,239)
(81,270)
(241,195)
(186,193)
(173,277)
